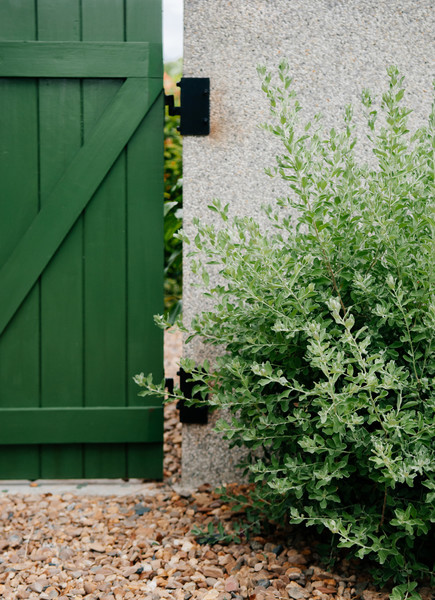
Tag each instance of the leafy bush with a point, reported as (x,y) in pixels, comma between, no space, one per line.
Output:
(173,199)
(328,321)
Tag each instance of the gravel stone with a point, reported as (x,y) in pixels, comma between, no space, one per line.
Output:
(296,591)
(211,571)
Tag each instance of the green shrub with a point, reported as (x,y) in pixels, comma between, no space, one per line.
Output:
(328,321)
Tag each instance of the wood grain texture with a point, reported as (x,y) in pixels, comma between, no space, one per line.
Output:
(79,59)
(145,240)
(19,345)
(72,192)
(72,289)
(61,317)
(77,425)
(105,301)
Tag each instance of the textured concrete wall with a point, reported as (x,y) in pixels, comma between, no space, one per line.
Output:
(335,49)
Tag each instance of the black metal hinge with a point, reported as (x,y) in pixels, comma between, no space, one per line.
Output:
(169,385)
(190,414)
(194,109)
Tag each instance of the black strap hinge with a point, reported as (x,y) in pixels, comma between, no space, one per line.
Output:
(173,110)
(190,414)
(194,109)
(169,385)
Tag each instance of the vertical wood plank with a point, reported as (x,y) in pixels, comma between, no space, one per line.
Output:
(17,20)
(19,344)
(145,461)
(144,21)
(145,240)
(105,257)
(61,284)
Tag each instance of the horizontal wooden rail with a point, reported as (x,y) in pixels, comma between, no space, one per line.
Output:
(81,425)
(80,59)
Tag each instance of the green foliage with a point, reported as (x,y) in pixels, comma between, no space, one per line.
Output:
(173,199)
(216,534)
(236,530)
(328,321)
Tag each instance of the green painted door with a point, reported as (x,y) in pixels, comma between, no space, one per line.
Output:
(81,237)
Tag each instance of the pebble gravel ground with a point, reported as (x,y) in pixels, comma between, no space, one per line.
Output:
(66,547)
(172,434)
(134,547)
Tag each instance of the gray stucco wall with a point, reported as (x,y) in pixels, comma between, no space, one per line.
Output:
(335,49)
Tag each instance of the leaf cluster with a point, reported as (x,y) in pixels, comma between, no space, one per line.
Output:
(216,534)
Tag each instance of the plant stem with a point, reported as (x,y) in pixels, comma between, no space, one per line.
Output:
(384,505)
(330,271)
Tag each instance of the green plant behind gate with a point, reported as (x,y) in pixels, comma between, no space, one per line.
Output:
(173,203)
(328,321)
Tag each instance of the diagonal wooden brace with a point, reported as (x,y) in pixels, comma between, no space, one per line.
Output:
(73,191)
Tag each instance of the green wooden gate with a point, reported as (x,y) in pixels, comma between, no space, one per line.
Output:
(81,230)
